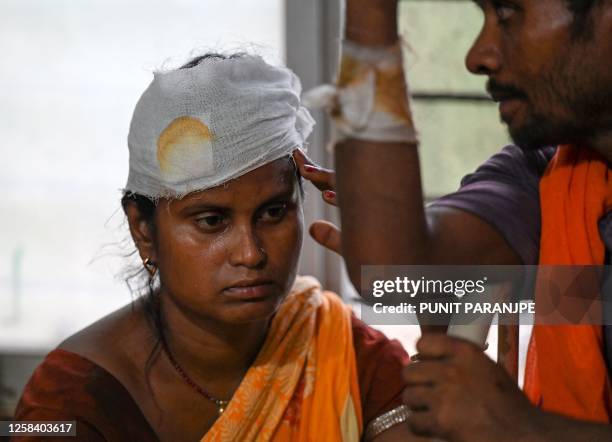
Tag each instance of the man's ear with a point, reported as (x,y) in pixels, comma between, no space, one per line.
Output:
(142,232)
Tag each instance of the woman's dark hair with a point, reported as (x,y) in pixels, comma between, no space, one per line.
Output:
(211,56)
(150,298)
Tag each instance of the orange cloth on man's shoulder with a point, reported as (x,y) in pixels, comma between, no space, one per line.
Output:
(566,369)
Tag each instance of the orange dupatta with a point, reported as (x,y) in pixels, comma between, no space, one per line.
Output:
(566,371)
(303,386)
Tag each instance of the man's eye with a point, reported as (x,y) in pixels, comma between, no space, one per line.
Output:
(504,11)
(210,221)
(274,213)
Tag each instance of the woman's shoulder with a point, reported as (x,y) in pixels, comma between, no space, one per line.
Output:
(369,340)
(119,337)
(68,387)
(65,381)
(90,378)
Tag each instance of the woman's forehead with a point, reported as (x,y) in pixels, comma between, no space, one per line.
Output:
(272,180)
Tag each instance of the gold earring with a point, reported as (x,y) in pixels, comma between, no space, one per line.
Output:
(150,266)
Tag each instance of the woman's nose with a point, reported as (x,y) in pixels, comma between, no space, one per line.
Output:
(247,249)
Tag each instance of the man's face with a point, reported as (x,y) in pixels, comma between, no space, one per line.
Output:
(554,85)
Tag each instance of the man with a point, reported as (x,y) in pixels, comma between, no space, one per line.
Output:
(549,65)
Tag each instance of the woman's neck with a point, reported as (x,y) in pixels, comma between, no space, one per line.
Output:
(209,351)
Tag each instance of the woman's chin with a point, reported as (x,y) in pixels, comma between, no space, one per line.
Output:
(251,311)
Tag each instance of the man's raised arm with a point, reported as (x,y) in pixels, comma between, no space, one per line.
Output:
(379,185)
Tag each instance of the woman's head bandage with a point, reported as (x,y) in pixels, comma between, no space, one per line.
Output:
(199,127)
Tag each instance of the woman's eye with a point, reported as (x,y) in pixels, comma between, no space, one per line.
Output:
(210,221)
(274,213)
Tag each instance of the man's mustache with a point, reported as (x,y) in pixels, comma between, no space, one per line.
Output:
(503,91)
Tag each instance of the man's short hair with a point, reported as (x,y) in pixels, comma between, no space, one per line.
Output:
(580,7)
(582,27)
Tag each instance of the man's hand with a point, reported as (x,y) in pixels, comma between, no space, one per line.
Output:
(458,394)
(323,232)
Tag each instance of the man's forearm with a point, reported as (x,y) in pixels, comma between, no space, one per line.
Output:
(386,218)
(371,22)
(379,184)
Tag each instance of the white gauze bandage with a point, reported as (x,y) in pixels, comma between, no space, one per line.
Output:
(370,100)
(199,127)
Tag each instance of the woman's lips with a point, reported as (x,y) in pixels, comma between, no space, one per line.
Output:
(252,291)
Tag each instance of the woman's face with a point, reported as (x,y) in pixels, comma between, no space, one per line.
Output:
(230,253)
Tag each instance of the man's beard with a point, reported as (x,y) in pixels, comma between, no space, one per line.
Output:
(541,131)
(581,117)
(569,105)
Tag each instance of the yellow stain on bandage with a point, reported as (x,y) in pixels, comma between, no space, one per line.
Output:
(184,150)
(352,71)
(391,94)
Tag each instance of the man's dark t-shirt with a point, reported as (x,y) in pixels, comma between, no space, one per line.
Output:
(504,191)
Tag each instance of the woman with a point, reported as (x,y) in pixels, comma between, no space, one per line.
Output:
(228,344)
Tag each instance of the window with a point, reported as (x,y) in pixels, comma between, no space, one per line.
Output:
(459,126)
(72,72)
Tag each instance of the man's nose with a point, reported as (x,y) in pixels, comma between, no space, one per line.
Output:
(484,57)
(246,248)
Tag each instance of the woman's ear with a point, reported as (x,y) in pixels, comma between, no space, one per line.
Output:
(142,232)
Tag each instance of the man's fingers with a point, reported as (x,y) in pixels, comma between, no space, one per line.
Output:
(422,403)
(329,196)
(423,423)
(321,178)
(301,159)
(303,162)
(418,398)
(440,346)
(326,234)
(423,373)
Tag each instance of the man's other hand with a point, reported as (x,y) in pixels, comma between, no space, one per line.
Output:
(457,393)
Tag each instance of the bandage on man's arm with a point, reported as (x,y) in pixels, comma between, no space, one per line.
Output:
(379,187)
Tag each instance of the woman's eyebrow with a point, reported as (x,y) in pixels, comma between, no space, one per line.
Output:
(285,195)
(203,207)
(192,209)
